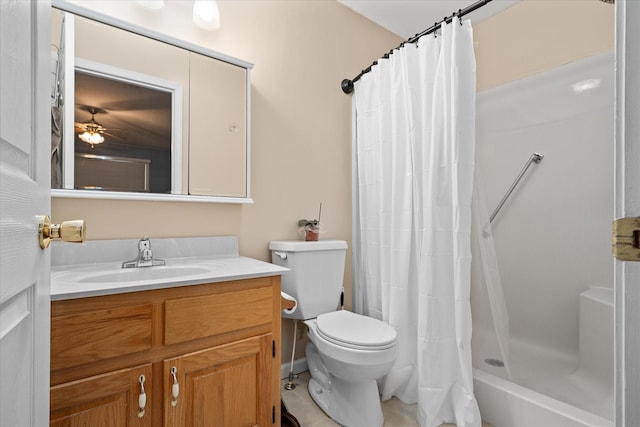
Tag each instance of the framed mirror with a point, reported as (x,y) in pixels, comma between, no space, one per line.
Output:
(139,115)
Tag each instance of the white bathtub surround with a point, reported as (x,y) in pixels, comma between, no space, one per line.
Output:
(596,341)
(95,267)
(546,258)
(560,316)
(413,177)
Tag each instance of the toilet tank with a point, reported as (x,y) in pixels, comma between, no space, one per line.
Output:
(315,277)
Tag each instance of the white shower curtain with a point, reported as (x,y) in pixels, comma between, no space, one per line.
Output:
(414,118)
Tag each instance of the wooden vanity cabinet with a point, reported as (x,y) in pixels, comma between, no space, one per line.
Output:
(208,354)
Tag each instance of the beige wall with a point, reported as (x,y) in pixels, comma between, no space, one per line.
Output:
(537,35)
(301,125)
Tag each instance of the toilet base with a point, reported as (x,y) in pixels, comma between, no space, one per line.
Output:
(350,404)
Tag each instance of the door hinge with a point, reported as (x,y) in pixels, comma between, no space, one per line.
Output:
(625,239)
(273,348)
(273,415)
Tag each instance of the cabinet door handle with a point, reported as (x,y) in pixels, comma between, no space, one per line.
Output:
(142,397)
(175,389)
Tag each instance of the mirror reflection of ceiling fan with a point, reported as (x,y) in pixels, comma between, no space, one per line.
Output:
(91,131)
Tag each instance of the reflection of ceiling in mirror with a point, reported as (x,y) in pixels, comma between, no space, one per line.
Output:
(132,114)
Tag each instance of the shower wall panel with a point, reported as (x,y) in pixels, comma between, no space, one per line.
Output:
(553,234)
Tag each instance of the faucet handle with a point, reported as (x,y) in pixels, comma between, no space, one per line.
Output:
(144,248)
(144,244)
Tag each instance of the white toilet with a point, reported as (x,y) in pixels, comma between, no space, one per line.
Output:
(346,352)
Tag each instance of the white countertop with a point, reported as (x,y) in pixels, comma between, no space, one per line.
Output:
(89,280)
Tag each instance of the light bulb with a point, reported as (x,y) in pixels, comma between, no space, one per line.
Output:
(96,138)
(151,4)
(206,14)
(85,136)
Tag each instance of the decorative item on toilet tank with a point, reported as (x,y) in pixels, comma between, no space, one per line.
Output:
(310,228)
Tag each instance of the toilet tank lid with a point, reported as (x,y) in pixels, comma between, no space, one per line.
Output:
(302,246)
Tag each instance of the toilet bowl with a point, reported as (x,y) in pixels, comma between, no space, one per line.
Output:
(346,354)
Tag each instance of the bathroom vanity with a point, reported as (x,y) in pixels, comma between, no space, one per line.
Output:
(199,349)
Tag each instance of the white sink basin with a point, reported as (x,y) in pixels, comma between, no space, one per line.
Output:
(144,273)
(116,275)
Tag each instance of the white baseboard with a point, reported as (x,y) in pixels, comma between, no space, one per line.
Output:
(299,365)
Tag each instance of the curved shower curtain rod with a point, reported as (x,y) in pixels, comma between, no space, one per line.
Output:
(347,85)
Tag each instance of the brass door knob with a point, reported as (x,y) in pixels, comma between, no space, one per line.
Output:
(67,231)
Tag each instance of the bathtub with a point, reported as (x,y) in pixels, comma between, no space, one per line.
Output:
(548,388)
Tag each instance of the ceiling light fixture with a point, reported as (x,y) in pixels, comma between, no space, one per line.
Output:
(206,14)
(91,131)
(91,137)
(151,4)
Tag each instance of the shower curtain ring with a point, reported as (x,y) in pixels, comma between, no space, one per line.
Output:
(460,16)
(435,30)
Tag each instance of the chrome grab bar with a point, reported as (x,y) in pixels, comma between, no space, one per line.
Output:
(534,158)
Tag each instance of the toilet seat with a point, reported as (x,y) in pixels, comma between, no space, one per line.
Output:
(352,330)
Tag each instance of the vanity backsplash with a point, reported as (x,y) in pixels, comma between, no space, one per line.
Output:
(105,251)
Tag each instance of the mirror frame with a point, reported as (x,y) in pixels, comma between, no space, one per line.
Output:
(70,65)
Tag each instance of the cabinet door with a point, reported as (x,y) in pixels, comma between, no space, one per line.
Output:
(218,128)
(110,399)
(224,386)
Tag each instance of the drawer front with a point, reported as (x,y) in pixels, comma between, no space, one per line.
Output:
(203,316)
(101,334)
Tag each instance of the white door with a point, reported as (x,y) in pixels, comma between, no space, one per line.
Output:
(627,274)
(24,194)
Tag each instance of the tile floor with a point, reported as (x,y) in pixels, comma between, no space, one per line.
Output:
(300,404)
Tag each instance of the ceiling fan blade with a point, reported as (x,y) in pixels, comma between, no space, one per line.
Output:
(111,135)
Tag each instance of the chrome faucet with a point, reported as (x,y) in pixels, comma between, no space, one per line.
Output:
(145,256)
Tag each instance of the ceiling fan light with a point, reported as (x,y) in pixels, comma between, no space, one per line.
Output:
(206,14)
(96,138)
(91,137)
(85,136)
